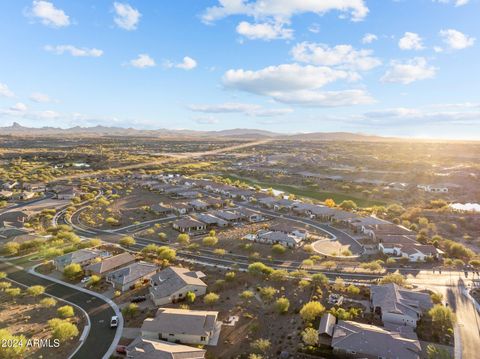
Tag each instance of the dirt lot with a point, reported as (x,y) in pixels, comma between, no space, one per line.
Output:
(25,316)
(257,318)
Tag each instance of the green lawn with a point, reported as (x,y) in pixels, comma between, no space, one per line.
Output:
(308,192)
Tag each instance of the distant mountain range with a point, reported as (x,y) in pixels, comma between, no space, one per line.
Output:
(18,130)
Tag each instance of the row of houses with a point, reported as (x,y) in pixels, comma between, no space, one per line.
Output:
(219,218)
(399,309)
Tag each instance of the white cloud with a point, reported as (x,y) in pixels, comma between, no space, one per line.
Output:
(456,40)
(455,2)
(343,56)
(411,41)
(48,14)
(315,28)
(409,71)
(206,120)
(325,98)
(369,38)
(19,107)
(126,17)
(283,10)
(187,64)
(5,91)
(74,51)
(244,108)
(296,84)
(264,31)
(143,61)
(40,97)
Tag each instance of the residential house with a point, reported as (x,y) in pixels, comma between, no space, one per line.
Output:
(397,305)
(83,257)
(66,194)
(267,202)
(213,202)
(228,216)
(181,208)
(110,264)
(289,229)
(173,283)
(327,324)
(250,216)
(211,221)
(359,340)
(183,326)
(142,348)
(127,277)
(270,237)
(419,252)
(379,230)
(283,204)
(189,225)
(4,194)
(9,185)
(160,209)
(198,205)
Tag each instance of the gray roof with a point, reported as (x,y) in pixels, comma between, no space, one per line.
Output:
(228,216)
(172,279)
(188,223)
(327,323)
(210,219)
(181,321)
(279,237)
(111,263)
(395,299)
(79,256)
(142,348)
(374,341)
(131,273)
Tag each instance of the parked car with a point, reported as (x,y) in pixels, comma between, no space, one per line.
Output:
(85,279)
(114,322)
(138,299)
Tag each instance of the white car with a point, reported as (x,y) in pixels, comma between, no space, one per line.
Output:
(114,322)
(85,279)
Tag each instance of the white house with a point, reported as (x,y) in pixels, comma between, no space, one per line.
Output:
(142,348)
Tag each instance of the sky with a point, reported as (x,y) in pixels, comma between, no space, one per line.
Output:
(406,68)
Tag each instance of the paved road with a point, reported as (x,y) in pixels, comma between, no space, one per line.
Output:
(453,286)
(101,336)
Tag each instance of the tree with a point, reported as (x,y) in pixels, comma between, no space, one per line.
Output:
(246,294)
(278,249)
(127,241)
(372,266)
(396,278)
(13,292)
(3,275)
(94,280)
(442,318)
(5,285)
(339,284)
(66,311)
(329,264)
(279,275)
(437,298)
(210,241)
(211,298)
(35,290)
(183,239)
(348,205)
(62,330)
(353,290)
(12,351)
(311,310)
(190,296)
(267,293)
(329,202)
(259,269)
(48,302)
(11,248)
(130,310)
(73,271)
(319,280)
(230,276)
(261,345)
(282,305)
(310,336)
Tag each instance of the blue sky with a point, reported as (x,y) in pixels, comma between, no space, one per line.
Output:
(403,68)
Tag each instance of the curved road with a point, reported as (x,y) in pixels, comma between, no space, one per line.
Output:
(100,337)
